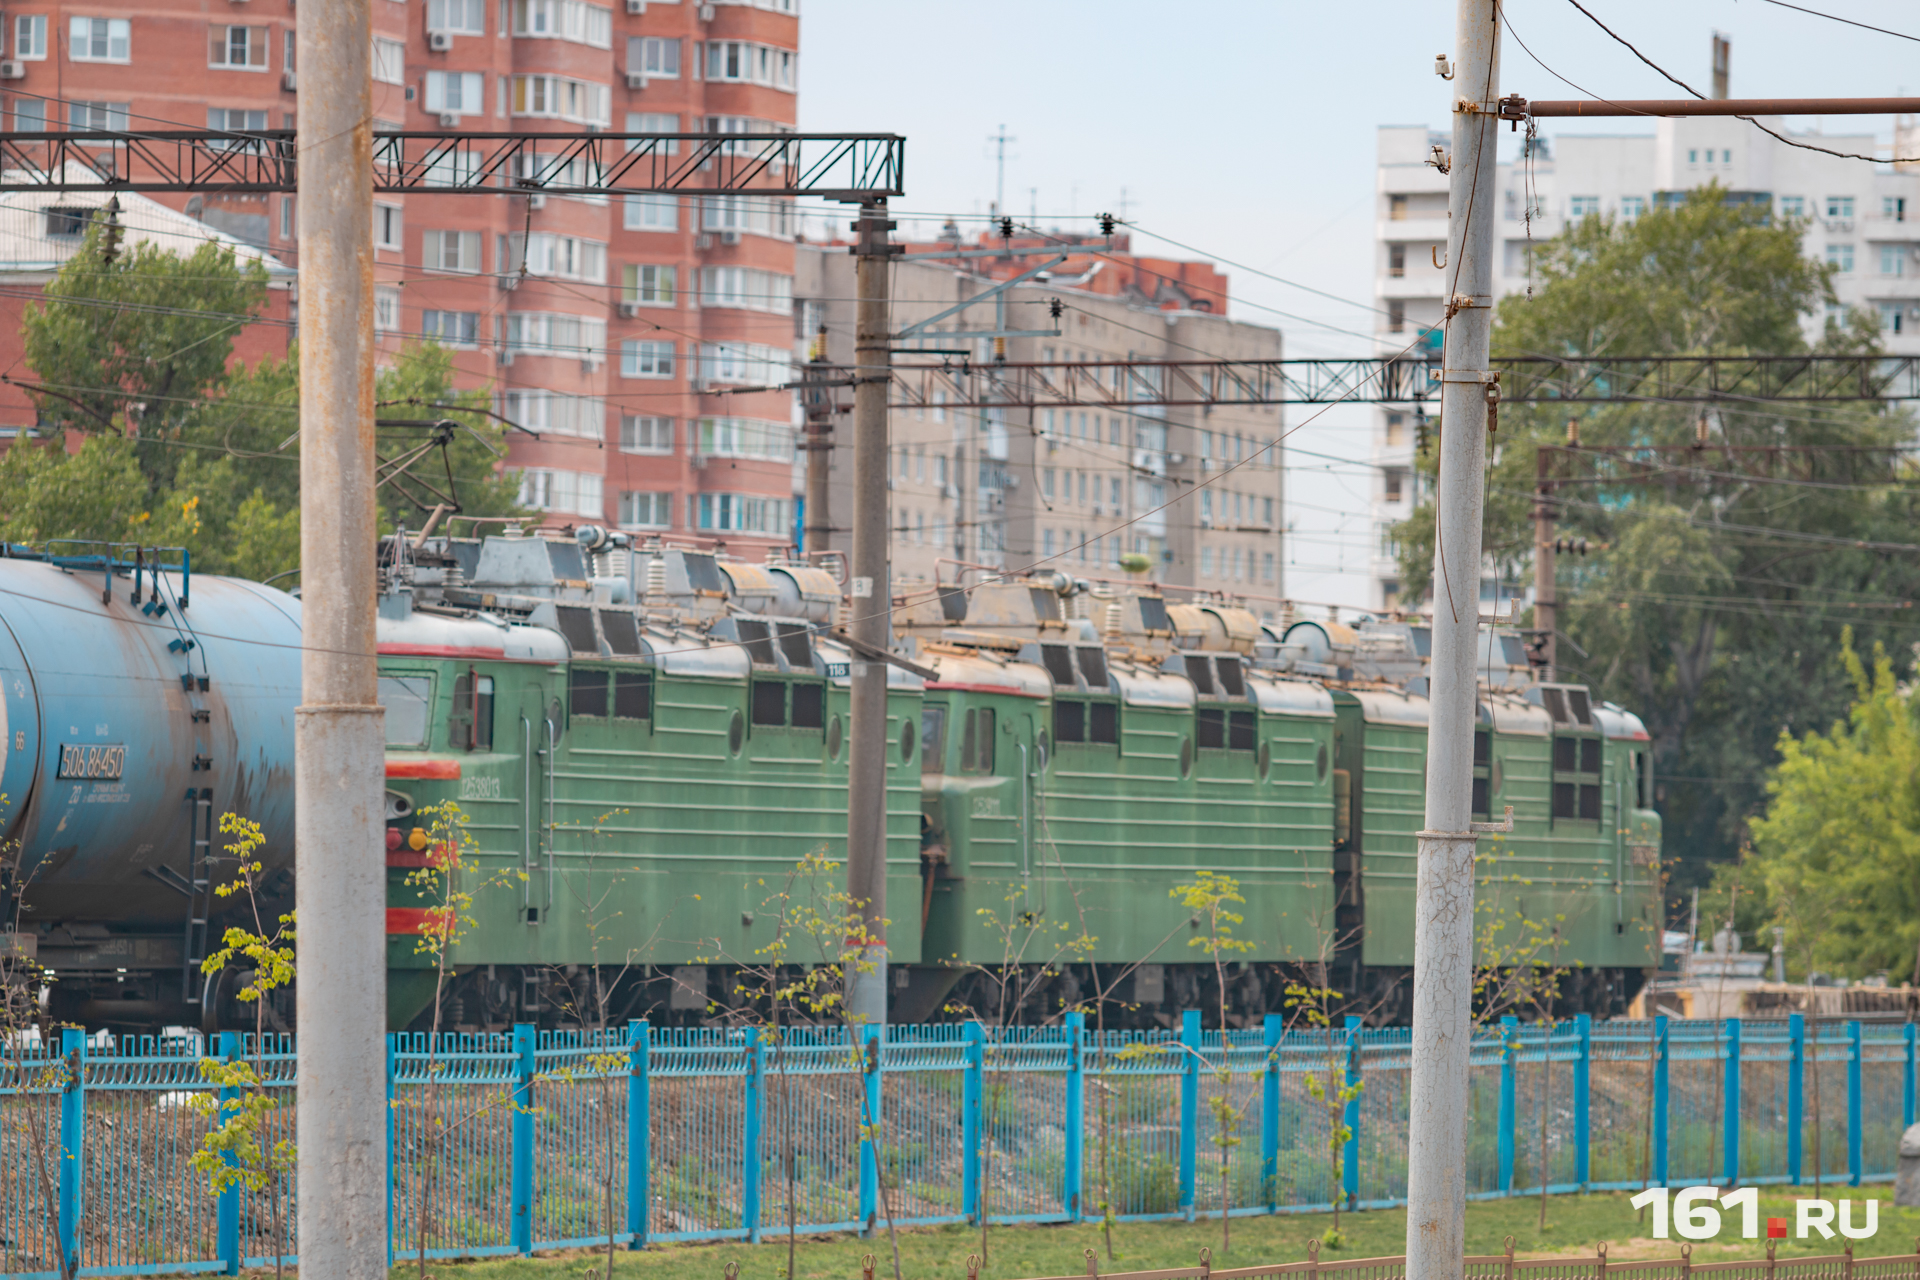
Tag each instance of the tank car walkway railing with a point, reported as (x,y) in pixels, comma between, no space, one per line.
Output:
(521,1141)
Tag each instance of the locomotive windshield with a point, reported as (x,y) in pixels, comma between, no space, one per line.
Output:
(407,700)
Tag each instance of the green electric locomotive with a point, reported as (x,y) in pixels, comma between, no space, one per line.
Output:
(650,749)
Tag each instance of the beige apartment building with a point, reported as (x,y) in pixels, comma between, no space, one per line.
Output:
(1196,490)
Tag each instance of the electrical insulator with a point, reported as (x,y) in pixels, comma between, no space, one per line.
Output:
(1571,546)
(1107,223)
(999,350)
(1700,431)
(1055,307)
(1006,228)
(1573,433)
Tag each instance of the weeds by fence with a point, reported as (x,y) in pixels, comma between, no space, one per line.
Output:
(698,1126)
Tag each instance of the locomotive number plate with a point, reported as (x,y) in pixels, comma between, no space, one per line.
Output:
(83,760)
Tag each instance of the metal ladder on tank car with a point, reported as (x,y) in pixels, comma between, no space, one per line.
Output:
(200,819)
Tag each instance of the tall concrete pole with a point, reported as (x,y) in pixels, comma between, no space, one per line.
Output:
(819,446)
(868,621)
(1443,906)
(339,739)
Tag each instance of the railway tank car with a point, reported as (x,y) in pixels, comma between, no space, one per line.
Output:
(138,701)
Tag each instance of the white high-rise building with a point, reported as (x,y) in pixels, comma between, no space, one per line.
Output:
(1864,218)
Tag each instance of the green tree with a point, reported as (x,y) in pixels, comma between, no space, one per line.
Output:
(1711,608)
(1842,829)
(182,446)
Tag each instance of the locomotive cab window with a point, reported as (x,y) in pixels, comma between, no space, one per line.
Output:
(1223,729)
(1081,721)
(1483,772)
(633,695)
(787,703)
(1576,777)
(933,740)
(587,691)
(976,741)
(407,699)
(470,723)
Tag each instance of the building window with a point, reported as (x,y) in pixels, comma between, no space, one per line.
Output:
(740,61)
(578,492)
(286,217)
(1793,206)
(451,251)
(746,288)
(1396,315)
(748,362)
(1840,207)
(1206,562)
(1693,156)
(1894,207)
(1893,260)
(460,92)
(1396,260)
(1396,430)
(237,48)
(1892,316)
(113,116)
(67,220)
(389,61)
(452,328)
(740,513)
(386,310)
(745,438)
(462,17)
(561,98)
(1266,567)
(1841,256)
(565,257)
(653,213)
(386,226)
(588,24)
(1632,206)
(646,510)
(29,114)
(545,333)
(30,37)
(1395,479)
(111,39)
(653,56)
(1397,208)
(645,434)
(646,359)
(1582,206)
(761,215)
(655,122)
(556,413)
(649,285)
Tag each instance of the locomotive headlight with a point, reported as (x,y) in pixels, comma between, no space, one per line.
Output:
(417,839)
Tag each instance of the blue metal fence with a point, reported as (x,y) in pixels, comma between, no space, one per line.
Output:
(516,1142)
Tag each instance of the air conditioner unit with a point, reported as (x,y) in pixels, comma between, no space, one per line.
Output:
(287,81)
(706,13)
(636,7)
(506,356)
(1176,459)
(729,237)
(537,201)
(1206,522)
(11,70)
(698,462)
(449,119)
(703,241)
(628,310)
(440,41)
(509,282)
(636,80)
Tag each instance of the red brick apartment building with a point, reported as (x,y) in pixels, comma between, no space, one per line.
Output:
(608,326)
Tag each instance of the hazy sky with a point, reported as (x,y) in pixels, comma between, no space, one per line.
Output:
(1246,130)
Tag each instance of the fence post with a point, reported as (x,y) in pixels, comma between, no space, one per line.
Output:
(1509,1030)
(393,1075)
(1796,1085)
(1189,1105)
(1906,1076)
(1076,1115)
(869,1040)
(1660,1042)
(73,1115)
(1582,1099)
(1351,1118)
(226,1214)
(639,1131)
(1854,1160)
(1731,1096)
(975,1036)
(524,1040)
(753,1100)
(1274,1026)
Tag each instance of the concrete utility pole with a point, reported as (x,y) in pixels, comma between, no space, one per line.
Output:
(868,622)
(339,741)
(1443,907)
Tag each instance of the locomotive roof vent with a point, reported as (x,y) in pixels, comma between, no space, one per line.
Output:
(1570,705)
